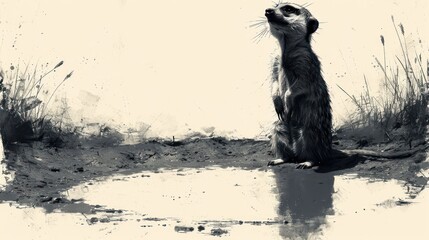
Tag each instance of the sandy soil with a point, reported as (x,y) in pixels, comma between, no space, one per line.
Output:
(42,173)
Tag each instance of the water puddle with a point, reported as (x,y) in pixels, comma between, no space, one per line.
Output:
(231,203)
(192,194)
(376,210)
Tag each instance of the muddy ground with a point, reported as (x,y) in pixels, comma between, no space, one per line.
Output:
(42,173)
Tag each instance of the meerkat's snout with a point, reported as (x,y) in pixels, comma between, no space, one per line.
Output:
(271,15)
(269,12)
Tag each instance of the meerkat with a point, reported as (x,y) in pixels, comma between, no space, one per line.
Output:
(301,99)
(303,131)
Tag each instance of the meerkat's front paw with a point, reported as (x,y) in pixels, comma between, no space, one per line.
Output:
(276,162)
(279,107)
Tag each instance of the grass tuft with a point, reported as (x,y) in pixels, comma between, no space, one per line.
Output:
(24,101)
(403,100)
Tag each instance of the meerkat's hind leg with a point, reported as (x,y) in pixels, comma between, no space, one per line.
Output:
(305,165)
(280,145)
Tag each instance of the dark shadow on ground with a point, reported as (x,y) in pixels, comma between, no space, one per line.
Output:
(341,162)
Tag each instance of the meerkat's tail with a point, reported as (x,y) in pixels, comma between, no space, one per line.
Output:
(387,155)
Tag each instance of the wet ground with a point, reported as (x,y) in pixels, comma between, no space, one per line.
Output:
(232,203)
(187,191)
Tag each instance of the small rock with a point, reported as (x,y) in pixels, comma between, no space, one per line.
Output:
(59,200)
(104,220)
(46,199)
(41,184)
(218,231)
(93,220)
(201,228)
(149,153)
(183,229)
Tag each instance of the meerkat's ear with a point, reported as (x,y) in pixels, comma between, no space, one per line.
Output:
(312,25)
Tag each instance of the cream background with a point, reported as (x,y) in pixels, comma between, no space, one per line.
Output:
(170,63)
(189,65)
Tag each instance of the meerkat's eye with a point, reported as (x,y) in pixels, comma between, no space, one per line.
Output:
(290,9)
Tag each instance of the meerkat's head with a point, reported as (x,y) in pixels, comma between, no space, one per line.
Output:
(291,21)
